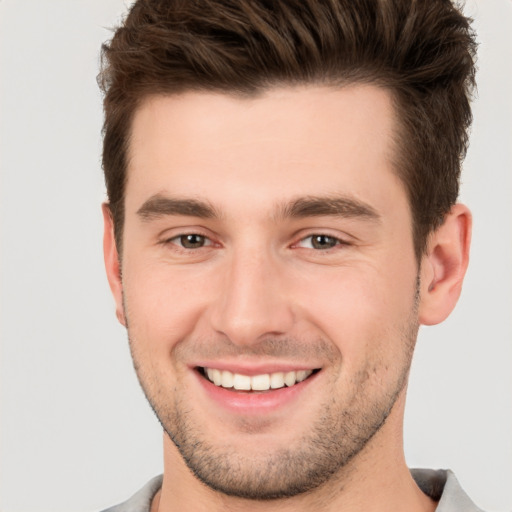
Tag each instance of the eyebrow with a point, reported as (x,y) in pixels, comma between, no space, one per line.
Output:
(158,206)
(336,206)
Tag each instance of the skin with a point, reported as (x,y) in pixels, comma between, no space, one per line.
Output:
(259,293)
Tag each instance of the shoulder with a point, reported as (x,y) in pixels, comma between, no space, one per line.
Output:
(442,486)
(141,500)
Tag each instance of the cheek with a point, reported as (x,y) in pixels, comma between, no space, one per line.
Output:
(363,311)
(163,304)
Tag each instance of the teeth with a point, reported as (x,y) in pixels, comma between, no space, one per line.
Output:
(217,377)
(290,378)
(242,382)
(301,375)
(262,382)
(277,380)
(226,379)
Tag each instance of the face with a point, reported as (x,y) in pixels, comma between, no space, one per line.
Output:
(269,283)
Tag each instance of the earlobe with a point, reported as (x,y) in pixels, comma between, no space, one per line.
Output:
(444,265)
(112,263)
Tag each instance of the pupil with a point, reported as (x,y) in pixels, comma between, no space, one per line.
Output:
(323,242)
(192,241)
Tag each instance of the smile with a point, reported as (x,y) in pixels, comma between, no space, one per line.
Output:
(262,382)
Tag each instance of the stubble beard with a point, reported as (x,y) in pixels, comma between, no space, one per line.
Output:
(334,439)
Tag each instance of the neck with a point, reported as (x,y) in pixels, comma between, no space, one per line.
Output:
(377,479)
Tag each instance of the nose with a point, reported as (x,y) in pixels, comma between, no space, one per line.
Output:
(252,302)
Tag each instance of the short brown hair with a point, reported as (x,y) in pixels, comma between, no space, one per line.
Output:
(422,51)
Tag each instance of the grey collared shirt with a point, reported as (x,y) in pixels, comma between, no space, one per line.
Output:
(441,485)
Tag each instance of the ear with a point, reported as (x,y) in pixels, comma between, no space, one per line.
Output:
(112,262)
(444,265)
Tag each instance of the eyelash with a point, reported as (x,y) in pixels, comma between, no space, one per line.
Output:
(335,240)
(178,242)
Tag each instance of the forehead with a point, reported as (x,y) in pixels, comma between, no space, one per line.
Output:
(284,142)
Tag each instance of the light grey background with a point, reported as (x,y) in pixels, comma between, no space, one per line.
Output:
(76,433)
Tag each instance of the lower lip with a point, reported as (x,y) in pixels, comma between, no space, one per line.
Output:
(254,402)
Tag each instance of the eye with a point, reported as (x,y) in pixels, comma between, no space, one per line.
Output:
(191,241)
(320,242)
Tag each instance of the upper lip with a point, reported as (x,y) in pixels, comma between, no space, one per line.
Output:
(255,369)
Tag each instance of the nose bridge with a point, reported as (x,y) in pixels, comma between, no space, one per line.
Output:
(251,302)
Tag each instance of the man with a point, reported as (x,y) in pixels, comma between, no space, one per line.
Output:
(282,181)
